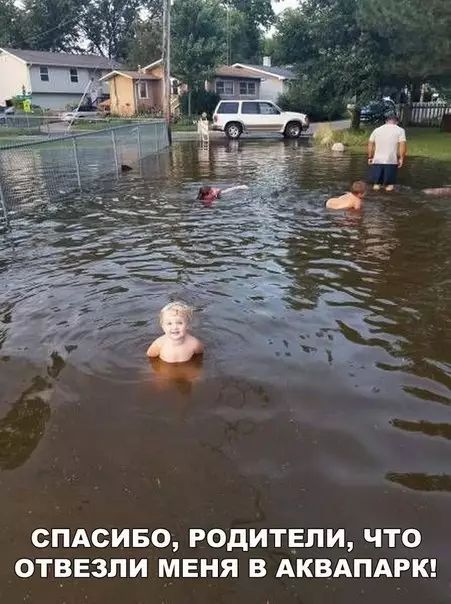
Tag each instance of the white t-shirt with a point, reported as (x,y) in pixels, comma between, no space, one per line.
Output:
(386,138)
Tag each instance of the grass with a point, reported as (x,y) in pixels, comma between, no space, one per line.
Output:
(421,142)
(185,125)
(83,125)
(13,132)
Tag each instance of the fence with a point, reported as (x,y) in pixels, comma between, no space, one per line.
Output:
(32,124)
(33,173)
(428,114)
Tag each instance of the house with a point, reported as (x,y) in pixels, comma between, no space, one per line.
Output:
(274,80)
(139,91)
(235,83)
(55,80)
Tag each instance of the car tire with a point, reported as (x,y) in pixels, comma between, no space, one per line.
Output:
(233,130)
(293,130)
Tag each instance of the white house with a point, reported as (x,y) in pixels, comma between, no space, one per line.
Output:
(274,80)
(54,79)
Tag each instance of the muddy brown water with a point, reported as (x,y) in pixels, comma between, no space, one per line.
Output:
(323,399)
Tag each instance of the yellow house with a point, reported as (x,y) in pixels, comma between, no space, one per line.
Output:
(134,92)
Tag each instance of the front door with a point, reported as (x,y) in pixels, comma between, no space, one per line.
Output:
(250,114)
(269,116)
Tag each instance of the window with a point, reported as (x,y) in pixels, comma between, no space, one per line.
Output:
(73,75)
(268,109)
(250,108)
(228,108)
(224,87)
(44,72)
(247,88)
(142,90)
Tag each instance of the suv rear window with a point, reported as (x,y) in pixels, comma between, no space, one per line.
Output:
(228,108)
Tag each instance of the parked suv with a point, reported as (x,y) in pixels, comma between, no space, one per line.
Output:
(236,117)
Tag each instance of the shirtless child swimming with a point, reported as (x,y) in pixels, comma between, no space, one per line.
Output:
(177,345)
(349,201)
(208,194)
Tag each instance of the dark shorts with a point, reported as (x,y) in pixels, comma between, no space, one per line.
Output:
(383,174)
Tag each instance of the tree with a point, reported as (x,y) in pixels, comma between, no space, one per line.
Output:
(51,24)
(338,58)
(12,25)
(246,22)
(109,25)
(417,37)
(198,41)
(145,46)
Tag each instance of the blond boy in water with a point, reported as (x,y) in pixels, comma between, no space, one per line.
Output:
(349,201)
(177,345)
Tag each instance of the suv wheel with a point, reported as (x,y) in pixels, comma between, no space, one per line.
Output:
(293,130)
(233,130)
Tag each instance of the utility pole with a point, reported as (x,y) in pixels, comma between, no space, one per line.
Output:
(167,64)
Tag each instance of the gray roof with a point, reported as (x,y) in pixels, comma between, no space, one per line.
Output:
(283,72)
(62,59)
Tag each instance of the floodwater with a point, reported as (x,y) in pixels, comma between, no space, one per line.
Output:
(323,399)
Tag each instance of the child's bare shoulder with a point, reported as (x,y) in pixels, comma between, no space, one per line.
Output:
(155,347)
(196,344)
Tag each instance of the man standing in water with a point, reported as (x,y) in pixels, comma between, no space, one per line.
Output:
(386,152)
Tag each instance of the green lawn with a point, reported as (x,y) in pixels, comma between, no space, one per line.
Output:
(421,142)
(85,125)
(185,125)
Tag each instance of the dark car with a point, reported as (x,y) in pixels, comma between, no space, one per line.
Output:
(377,111)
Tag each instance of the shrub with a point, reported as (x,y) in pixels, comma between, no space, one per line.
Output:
(324,135)
(308,98)
(201,100)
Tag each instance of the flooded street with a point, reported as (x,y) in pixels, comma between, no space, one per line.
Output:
(323,399)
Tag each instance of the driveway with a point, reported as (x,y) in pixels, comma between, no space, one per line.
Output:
(60,128)
(335,125)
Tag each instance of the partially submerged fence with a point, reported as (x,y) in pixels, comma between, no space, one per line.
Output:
(32,173)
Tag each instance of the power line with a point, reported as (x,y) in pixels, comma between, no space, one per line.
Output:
(45,32)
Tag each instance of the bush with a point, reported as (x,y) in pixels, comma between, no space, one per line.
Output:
(324,135)
(201,100)
(304,96)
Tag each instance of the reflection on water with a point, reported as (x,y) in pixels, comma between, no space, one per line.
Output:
(320,329)
(23,425)
(429,428)
(179,375)
(422,482)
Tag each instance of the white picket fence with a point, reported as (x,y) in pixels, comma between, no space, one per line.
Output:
(428,114)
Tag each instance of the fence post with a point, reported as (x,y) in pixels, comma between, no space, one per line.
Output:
(3,206)
(77,165)
(139,143)
(113,138)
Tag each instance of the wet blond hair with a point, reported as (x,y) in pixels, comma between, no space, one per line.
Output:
(180,308)
(358,187)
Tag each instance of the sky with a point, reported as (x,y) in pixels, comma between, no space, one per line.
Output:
(283,4)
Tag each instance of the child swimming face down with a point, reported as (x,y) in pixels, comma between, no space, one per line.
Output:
(207,193)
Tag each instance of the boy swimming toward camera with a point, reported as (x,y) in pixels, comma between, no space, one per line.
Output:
(177,345)
(349,201)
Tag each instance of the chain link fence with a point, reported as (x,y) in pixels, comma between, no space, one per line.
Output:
(31,124)
(36,173)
